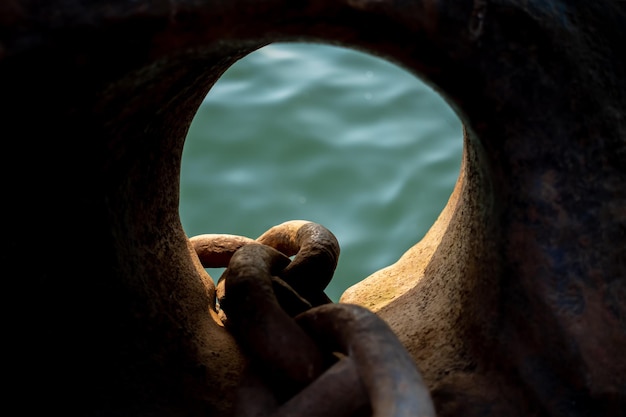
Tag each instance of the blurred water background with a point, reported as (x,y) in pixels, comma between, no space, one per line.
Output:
(327,134)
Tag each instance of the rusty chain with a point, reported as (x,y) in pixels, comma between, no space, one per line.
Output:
(309,357)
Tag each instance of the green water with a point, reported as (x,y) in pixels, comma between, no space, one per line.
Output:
(320,133)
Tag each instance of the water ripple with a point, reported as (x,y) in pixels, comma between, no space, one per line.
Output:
(302,131)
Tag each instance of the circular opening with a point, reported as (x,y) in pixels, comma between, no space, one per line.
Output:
(326,134)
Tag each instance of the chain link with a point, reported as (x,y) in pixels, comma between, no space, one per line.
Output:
(309,357)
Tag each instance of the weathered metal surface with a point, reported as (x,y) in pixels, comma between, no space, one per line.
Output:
(514,304)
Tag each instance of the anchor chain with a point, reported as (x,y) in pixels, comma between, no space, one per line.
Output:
(315,250)
(309,357)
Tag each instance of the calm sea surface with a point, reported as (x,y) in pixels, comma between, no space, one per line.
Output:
(320,133)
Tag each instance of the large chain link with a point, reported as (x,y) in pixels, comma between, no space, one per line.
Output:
(309,357)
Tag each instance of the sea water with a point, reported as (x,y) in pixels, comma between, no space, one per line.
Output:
(326,134)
